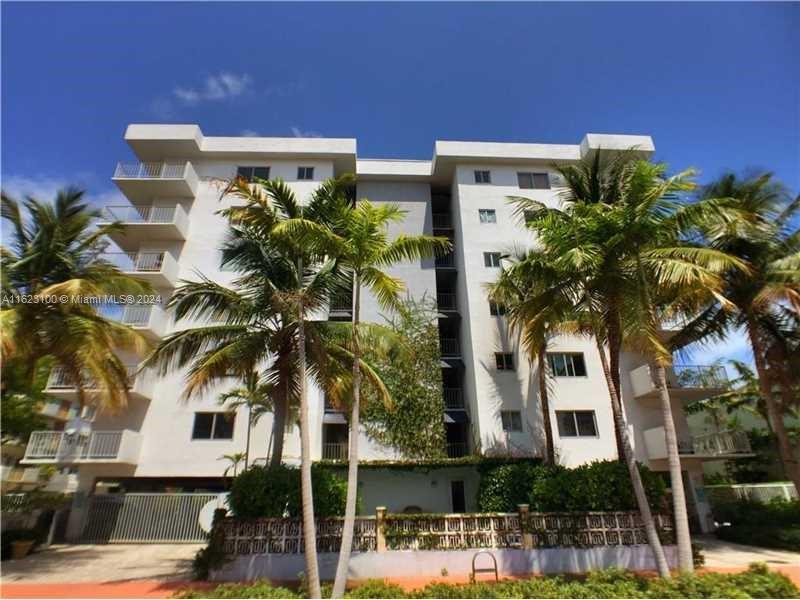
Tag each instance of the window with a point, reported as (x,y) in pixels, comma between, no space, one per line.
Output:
(483,177)
(496,310)
(576,423)
(504,360)
(564,364)
(249,173)
(458,497)
(487,215)
(213,426)
(512,420)
(491,259)
(533,181)
(305,173)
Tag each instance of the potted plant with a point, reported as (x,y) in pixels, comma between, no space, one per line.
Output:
(22,542)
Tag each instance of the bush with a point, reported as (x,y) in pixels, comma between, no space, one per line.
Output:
(269,491)
(18,535)
(503,487)
(756,582)
(775,524)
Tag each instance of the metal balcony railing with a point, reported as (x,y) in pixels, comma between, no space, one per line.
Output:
(456,449)
(446,261)
(140,214)
(341,304)
(446,301)
(442,221)
(334,451)
(721,443)
(136,315)
(449,347)
(700,376)
(151,170)
(59,445)
(141,262)
(453,399)
(59,379)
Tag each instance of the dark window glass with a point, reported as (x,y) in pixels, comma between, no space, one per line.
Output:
(223,426)
(458,497)
(249,173)
(261,172)
(585,421)
(533,181)
(512,420)
(491,259)
(305,173)
(487,215)
(483,177)
(566,423)
(566,364)
(576,423)
(496,309)
(504,361)
(203,425)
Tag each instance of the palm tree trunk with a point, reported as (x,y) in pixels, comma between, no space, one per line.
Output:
(682,534)
(633,469)
(278,429)
(614,346)
(544,399)
(775,417)
(340,583)
(307,496)
(249,430)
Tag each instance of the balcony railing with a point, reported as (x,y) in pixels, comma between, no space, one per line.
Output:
(151,170)
(442,221)
(137,262)
(456,449)
(722,442)
(60,446)
(341,304)
(59,379)
(446,301)
(446,262)
(449,347)
(135,315)
(140,214)
(453,399)
(699,376)
(334,451)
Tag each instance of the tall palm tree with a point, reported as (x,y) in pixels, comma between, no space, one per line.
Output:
(255,396)
(358,238)
(764,302)
(744,394)
(56,250)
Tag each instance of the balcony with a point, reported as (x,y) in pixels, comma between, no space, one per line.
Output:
(456,449)
(150,319)
(722,445)
(60,385)
(334,451)
(340,308)
(448,261)
(146,224)
(15,478)
(453,399)
(120,446)
(442,221)
(60,411)
(159,269)
(684,382)
(146,180)
(446,302)
(449,347)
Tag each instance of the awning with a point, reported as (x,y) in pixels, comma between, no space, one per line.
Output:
(334,418)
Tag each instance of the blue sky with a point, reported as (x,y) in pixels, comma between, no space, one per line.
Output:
(717,85)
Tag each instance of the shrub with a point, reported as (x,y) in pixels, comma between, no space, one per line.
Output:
(269,491)
(376,588)
(775,524)
(503,487)
(258,589)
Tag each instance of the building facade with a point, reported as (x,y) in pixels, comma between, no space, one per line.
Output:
(172,231)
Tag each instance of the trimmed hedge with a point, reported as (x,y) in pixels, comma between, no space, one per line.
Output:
(775,524)
(269,491)
(597,486)
(756,582)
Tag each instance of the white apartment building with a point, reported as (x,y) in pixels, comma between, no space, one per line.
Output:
(490,406)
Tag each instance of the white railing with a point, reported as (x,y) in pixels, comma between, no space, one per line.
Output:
(722,442)
(151,170)
(140,214)
(699,376)
(136,315)
(334,451)
(60,379)
(760,492)
(453,398)
(137,262)
(57,445)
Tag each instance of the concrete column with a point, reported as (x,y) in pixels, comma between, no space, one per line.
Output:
(380,528)
(527,536)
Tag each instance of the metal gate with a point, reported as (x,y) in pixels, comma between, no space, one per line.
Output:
(145,518)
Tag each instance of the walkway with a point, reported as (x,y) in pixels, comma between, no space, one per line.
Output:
(728,557)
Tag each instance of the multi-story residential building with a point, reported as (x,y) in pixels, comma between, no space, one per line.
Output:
(490,405)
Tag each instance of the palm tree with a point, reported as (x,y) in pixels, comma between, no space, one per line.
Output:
(255,396)
(744,394)
(764,302)
(234,460)
(358,239)
(56,250)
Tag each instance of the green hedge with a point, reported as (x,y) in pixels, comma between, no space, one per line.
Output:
(756,582)
(268,492)
(775,524)
(601,485)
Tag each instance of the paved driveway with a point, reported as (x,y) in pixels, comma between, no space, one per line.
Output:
(103,564)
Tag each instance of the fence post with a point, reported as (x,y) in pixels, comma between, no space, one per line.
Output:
(527,536)
(380,525)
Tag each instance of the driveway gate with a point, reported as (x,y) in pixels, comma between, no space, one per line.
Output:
(137,518)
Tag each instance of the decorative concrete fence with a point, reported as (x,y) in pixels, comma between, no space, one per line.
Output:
(384,532)
(427,545)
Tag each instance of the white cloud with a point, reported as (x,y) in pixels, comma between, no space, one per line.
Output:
(297,132)
(734,346)
(215,87)
(44,188)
